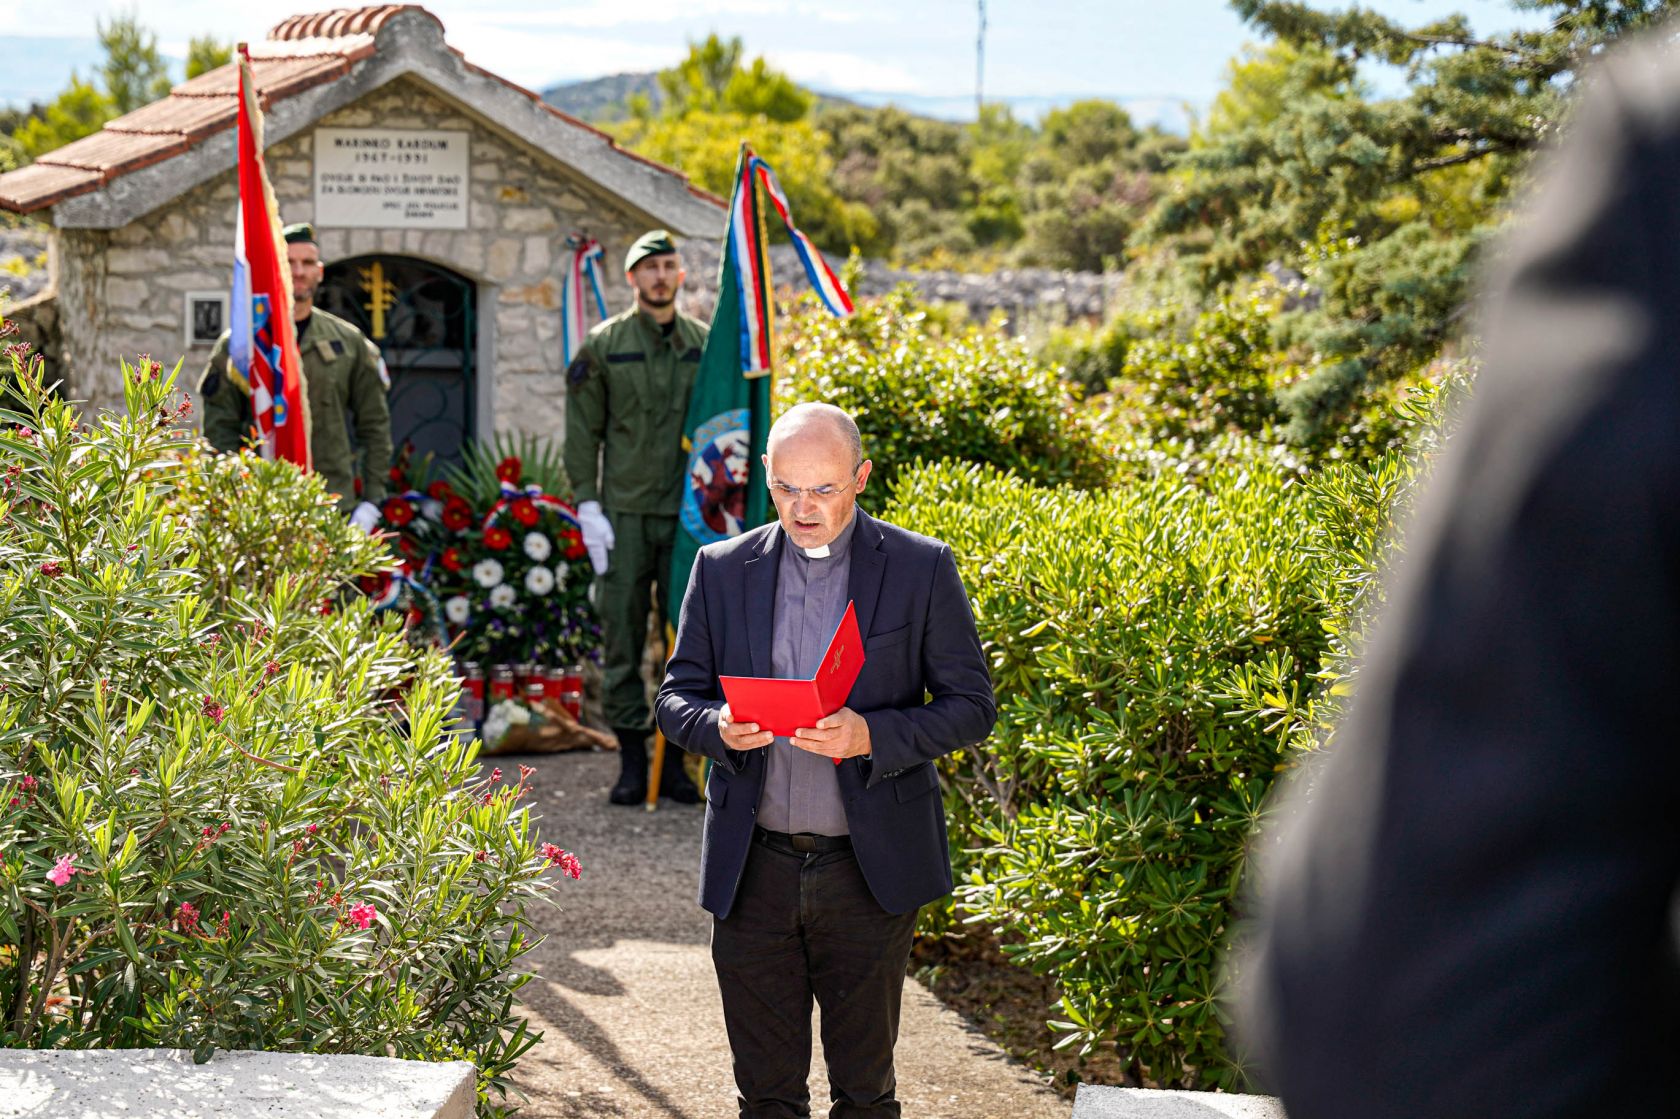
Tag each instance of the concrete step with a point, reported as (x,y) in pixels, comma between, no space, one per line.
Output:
(1095,1102)
(160,1083)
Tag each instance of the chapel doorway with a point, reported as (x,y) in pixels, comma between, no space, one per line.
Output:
(423,318)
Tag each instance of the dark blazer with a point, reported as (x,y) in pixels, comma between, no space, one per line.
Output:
(1471,909)
(924,691)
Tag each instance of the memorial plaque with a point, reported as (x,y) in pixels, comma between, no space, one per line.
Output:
(390,178)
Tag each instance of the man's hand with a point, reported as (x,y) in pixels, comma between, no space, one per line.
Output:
(365,516)
(597,534)
(741,736)
(843,734)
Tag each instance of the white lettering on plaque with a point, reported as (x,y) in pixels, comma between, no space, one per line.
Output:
(390,178)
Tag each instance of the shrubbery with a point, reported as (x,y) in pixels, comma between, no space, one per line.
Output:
(922,391)
(1137,639)
(233,813)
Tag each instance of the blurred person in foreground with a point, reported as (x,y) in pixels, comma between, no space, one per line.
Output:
(1473,912)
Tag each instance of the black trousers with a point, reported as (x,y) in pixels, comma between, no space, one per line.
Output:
(804,925)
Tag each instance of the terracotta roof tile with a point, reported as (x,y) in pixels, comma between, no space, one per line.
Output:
(275,78)
(344,21)
(115,153)
(191,117)
(41,184)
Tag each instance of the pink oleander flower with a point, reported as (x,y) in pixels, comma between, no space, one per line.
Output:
(51,569)
(565,860)
(186,917)
(525,772)
(362,915)
(60,874)
(213,709)
(495,775)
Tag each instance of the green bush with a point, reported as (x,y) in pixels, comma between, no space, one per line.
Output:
(237,815)
(1101,830)
(921,392)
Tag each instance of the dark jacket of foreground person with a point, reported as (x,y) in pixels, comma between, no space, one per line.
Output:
(1472,914)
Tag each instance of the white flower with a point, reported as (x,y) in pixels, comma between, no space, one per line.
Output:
(561,570)
(432,509)
(458,609)
(537,546)
(504,715)
(487,573)
(539,580)
(502,596)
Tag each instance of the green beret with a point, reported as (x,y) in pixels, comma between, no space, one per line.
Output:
(299,231)
(655,242)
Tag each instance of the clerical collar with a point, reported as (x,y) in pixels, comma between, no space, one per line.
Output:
(834,547)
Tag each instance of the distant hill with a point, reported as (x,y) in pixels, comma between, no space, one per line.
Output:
(604,100)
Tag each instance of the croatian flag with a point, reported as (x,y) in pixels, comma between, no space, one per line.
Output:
(261,344)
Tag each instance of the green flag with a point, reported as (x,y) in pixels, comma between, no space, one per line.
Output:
(728,418)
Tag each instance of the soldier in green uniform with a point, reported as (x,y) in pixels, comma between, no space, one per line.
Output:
(346,383)
(627,397)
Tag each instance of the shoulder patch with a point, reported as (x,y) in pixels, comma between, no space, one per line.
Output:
(337,346)
(578,372)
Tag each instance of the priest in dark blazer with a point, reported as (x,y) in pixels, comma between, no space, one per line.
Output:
(813,871)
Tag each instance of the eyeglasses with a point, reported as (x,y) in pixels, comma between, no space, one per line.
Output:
(832,489)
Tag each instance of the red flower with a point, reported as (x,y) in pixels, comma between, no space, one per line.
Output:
(396,476)
(576,550)
(497,538)
(213,709)
(51,569)
(186,917)
(457,514)
(451,559)
(524,511)
(565,860)
(510,469)
(398,511)
(362,915)
(441,490)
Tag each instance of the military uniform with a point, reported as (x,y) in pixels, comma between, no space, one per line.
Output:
(345,384)
(627,399)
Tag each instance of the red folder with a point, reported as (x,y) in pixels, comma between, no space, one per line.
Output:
(784,706)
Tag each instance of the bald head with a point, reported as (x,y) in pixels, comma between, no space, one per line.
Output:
(817,421)
(813,460)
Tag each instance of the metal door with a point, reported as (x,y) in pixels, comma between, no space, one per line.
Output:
(423,318)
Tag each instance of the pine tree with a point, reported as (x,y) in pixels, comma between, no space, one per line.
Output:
(1383,202)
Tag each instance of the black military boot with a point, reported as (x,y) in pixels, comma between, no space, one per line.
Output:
(633,767)
(673,778)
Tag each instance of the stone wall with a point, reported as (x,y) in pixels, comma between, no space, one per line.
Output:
(129,283)
(1023,296)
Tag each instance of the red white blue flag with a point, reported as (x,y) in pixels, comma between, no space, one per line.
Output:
(262,345)
(585,267)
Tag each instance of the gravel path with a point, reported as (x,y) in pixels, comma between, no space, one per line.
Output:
(628,1003)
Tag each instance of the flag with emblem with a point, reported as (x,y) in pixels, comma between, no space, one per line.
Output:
(728,419)
(262,346)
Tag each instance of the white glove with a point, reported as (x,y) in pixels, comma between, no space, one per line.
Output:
(597,534)
(365,517)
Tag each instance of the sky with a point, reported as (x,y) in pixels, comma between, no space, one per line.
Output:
(1154,56)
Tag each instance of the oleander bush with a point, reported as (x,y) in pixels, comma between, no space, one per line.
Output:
(1154,648)
(923,389)
(233,811)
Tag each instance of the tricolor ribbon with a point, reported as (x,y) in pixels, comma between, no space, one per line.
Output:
(585,264)
(752,258)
